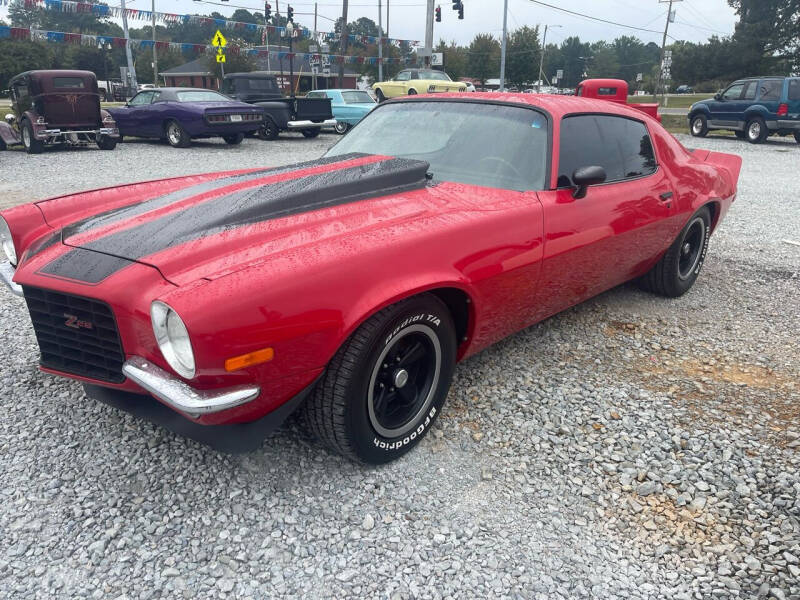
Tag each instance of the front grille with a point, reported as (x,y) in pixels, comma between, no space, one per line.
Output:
(76,335)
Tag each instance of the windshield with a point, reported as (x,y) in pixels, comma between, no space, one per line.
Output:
(248,84)
(436,75)
(357,98)
(202,96)
(474,143)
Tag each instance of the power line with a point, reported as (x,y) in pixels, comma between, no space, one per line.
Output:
(592,18)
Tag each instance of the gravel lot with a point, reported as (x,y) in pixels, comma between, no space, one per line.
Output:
(630,447)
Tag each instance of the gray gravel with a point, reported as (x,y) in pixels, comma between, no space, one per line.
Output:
(630,447)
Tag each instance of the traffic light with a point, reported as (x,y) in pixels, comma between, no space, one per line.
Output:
(461,10)
(267,11)
(438,14)
(290,14)
(456,4)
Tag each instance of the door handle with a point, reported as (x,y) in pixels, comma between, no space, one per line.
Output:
(666,196)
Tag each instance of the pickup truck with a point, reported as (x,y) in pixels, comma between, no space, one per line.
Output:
(306,115)
(613,90)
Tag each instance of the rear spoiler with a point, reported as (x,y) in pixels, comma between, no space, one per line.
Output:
(730,162)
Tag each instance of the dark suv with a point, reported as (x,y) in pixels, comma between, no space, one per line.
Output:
(752,108)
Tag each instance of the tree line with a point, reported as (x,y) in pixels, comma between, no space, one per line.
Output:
(766,41)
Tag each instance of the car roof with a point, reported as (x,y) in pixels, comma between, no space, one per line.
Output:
(36,73)
(557,106)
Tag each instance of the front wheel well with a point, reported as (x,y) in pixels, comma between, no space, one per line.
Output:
(457,302)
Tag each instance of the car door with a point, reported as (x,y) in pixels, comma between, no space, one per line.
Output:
(397,86)
(612,234)
(131,118)
(728,112)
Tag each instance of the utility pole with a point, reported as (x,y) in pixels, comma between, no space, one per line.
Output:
(660,79)
(155,53)
(128,56)
(503,48)
(380,42)
(343,43)
(542,77)
(429,33)
(387,18)
(315,69)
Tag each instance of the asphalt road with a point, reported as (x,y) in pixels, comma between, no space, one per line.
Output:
(631,447)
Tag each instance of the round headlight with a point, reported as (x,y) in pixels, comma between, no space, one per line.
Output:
(173,339)
(8,242)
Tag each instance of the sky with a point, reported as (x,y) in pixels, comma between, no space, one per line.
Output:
(696,20)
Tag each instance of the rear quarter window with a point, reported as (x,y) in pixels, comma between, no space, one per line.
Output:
(607,91)
(794,89)
(770,90)
(621,146)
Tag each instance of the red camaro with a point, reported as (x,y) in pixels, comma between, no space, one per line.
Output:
(350,286)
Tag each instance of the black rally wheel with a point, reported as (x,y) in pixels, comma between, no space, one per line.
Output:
(268,131)
(386,385)
(680,266)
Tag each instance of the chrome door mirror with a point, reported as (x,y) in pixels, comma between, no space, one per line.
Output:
(9,118)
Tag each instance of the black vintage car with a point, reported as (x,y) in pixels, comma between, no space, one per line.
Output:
(56,108)
(306,115)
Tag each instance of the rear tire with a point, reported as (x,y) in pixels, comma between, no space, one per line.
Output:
(756,130)
(311,133)
(699,126)
(412,92)
(678,269)
(384,388)
(233,140)
(32,145)
(105,142)
(269,131)
(342,128)
(176,135)
(797,136)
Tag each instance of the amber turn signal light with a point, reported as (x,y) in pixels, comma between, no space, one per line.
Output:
(249,359)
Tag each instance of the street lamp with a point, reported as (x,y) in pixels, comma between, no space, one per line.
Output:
(544,49)
(585,59)
(104,55)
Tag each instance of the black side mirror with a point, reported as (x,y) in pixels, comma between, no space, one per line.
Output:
(586,176)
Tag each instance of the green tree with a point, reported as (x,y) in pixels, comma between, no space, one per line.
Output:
(484,58)
(23,15)
(575,57)
(767,35)
(604,61)
(522,56)
(456,59)
(18,56)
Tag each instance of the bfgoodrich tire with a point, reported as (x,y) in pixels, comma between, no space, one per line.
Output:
(679,268)
(756,130)
(386,385)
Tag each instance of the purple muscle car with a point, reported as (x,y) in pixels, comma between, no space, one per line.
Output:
(181,114)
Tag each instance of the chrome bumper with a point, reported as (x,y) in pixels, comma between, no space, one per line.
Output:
(46,133)
(178,395)
(292,125)
(7,275)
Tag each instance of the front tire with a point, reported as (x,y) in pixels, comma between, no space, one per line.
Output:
(32,145)
(105,142)
(176,135)
(342,128)
(412,92)
(797,136)
(384,388)
(311,133)
(379,95)
(699,126)
(234,139)
(756,130)
(268,131)
(678,269)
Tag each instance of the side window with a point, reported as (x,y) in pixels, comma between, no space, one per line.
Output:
(734,92)
(621,146)
(21,91)
(141,98)
(156,97)
(794,89)
(606,91)
(750,91)
(315,95)
(403,76)
(770,90)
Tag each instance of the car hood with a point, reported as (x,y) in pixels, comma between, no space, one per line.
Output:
(224,224)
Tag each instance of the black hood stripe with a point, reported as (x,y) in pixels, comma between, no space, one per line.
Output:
(243,207)
(116,215)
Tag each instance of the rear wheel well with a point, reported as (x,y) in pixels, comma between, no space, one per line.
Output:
(713,207)
(457,302)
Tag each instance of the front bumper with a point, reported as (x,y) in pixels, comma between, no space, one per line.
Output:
(43,134)
(180,396)
(7,275)
(296,125)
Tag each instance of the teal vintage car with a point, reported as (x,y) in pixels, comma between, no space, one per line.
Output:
(349,106)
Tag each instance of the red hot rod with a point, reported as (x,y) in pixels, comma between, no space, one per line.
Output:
(350,286)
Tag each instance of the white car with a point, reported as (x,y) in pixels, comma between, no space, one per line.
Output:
(470,87)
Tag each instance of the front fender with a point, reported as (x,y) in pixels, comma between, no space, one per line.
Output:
(699,109)
(8,134)
(27,225)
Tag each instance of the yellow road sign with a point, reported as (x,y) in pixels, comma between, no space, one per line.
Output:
(219,40)
(220,58)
